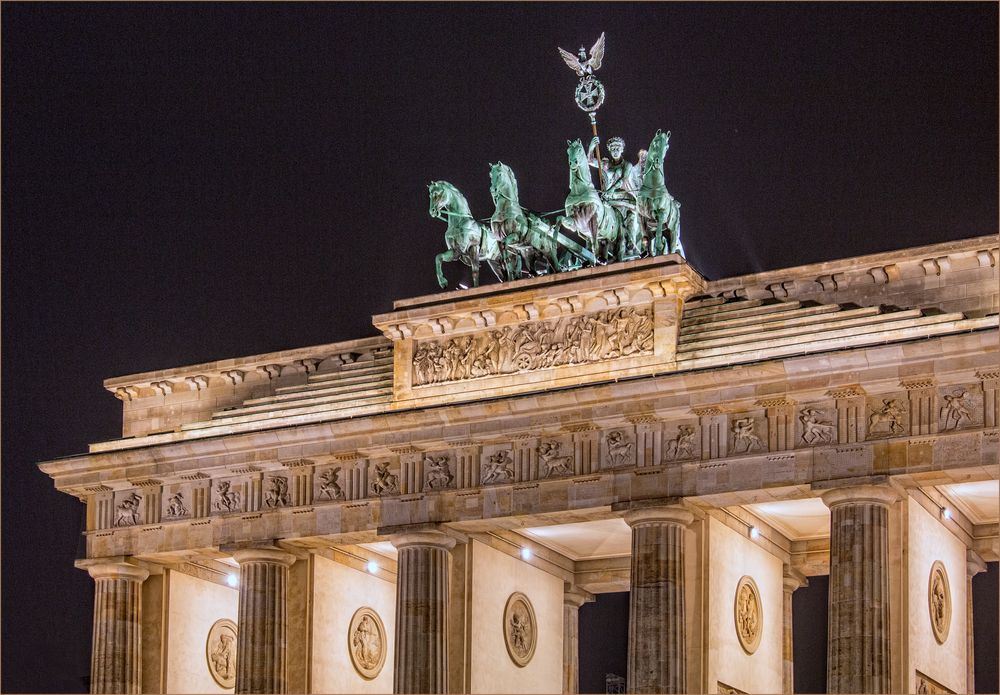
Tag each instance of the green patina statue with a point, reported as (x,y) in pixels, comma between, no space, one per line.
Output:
(467,240)
(657,208)
(587,214)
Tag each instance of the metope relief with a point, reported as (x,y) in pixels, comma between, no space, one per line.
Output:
(939,601)
(745,438)
(384,481)
(683,445)
(748,614)
(176,507)
(226,498)
(620,448)
(499,468)
(520,629)
(887,417)
(277,492)
(127,509)
(220,652)
(607,335)
(552,462)
(960,407)
(366,643)
(816,427)
(437,473)
(329,484)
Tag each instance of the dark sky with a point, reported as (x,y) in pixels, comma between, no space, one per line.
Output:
(190,182)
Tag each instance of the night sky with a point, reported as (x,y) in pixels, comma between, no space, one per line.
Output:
(191,182)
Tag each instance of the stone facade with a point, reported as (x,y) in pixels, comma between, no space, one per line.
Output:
(637,393)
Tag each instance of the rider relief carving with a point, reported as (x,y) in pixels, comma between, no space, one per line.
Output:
(551,462)
(386,482)
(127,511)
(682,446)
(277,495)
(437,473)
(886,417)
(621,451)
(607,335)
(498,469)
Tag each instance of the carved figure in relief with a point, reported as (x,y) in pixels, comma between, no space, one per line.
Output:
(619,450)
(227,500)
(955,407)
(223,658)
(681,446)
(744,435)
(385,483)
(813,429)
(889,414)
(548,454)
(747,617)
(277,496)
(499,469)
(329,484)
(367,643)
(939,602)
(610,334)
(175,505)
(128,511)
(438,473)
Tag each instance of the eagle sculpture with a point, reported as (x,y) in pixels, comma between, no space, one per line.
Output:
(584,66)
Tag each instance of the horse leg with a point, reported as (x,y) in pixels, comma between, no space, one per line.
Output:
(658,237)
(446,257)
(675,238)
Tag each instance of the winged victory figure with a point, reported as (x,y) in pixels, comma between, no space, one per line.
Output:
(584,66)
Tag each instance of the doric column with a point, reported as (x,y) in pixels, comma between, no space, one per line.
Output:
(974,565)
(858,645)
(260,649)
(116,655)
(791,581)
(572,600)
(422,612)
(656,652)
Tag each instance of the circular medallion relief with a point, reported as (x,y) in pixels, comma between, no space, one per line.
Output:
(366,642)
(220,650)
(520,630)
(748,614)
(939,601)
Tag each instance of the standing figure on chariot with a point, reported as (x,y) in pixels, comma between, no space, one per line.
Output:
(620,177)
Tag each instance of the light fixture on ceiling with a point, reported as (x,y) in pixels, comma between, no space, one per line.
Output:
(232,580)
(526,553)
(372,567)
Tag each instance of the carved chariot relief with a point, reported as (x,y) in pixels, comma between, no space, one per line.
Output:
(620,448)
(127,511)
(683,446)
(499,468)
(748,614)
(552,463)
(220,652)
(745,439)
(520,629)
(939,601)
(366,643)
(886,417)
(437,473)
(606,335)
(817,428)
(386,482)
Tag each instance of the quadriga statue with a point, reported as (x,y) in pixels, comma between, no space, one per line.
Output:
(467,240)
(658,210)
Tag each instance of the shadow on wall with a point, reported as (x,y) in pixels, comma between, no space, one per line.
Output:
(985,627)
(603,640)
(809,621)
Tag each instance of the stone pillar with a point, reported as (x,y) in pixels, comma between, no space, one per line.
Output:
(263,623)
(116,653)
(974,565)
(422,612)
(572,600)
(657,656)
(792,580)
(858,645)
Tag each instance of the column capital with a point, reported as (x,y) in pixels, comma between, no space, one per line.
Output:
(271,555)
(433,539)
(575,597)
(793,579)
(118,570)
(673,514)
(974,563)
(877,494)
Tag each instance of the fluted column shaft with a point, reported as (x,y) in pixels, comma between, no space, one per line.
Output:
(792,581)
(422,612)
(116,655)
(657,657)
(260,648)
(858,659)
(572,600)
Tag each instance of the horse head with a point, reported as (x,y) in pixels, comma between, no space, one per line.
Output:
(579,166)
(503,183)
(659,146)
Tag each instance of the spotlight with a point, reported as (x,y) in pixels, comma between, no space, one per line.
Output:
(372,567)
(232,580)
(754,532)
(946,513)
(525,553)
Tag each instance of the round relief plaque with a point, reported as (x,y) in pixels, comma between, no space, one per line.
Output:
(520,630)
(220,650)
(748,614)
(366,642)
(939,601)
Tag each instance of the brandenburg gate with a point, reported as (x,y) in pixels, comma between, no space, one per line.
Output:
(426,511)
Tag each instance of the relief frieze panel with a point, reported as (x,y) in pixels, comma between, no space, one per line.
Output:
(816,424)
(128,508)
(497,467)
(555,457)
(619,447)
(747,434)
(682,441)
(961,407)
(887,415)
(606,335)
